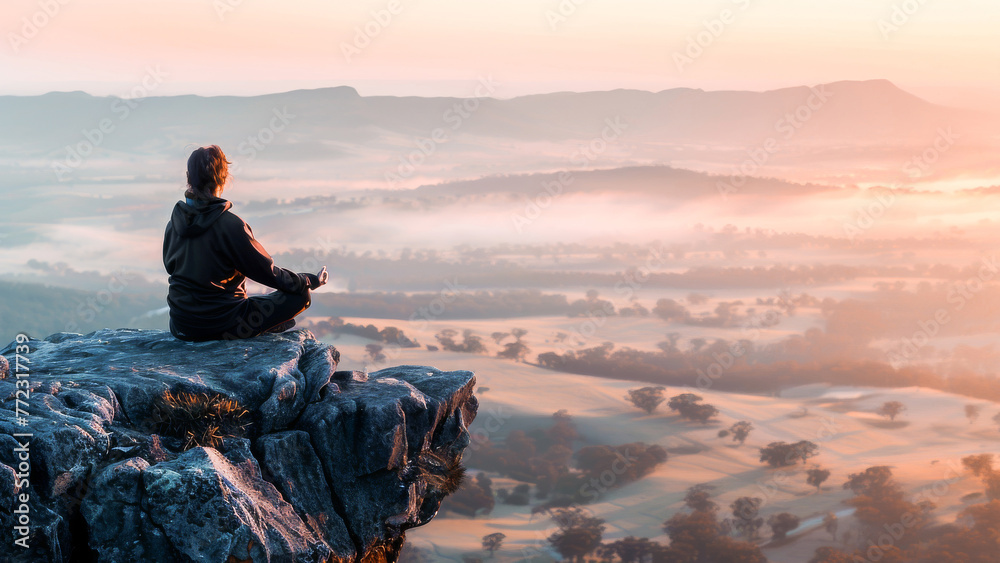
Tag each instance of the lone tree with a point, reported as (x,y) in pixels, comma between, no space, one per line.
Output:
(492,542)
(746,519)
(981,465)
(783,454)
(689,406)
(677,402)
(830,524)
(741,430)
(781,524)
(972,412)
(827,554)
(471,343)
(879,501)
(891,409)
(516,350)
(629,550)
(698,536)
(698,499)
(816,477)
(375,353)
(578,534)
(646,398)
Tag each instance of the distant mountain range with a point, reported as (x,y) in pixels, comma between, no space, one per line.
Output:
(658,183)
(869,112)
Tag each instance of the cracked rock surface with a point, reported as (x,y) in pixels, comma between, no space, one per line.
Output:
(333,465)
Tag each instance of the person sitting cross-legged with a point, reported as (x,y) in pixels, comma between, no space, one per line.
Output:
(209,252)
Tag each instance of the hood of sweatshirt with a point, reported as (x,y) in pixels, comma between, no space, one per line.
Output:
(193,220)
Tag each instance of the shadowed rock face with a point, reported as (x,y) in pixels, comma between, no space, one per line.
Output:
(334,466)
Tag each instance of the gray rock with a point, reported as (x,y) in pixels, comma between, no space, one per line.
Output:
(340,462)
(289,462)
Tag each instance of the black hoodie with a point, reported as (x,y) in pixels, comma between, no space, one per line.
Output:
(209,252)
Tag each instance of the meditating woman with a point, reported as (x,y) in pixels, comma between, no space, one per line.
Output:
(209,252)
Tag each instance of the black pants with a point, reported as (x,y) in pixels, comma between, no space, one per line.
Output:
(262,313)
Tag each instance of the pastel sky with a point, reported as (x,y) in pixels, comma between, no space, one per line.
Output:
(946,51)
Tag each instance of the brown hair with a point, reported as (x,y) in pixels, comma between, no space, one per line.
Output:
(207,169)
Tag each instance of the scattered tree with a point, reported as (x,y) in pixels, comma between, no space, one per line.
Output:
(516,351)
(972,412)
(980,465)
(678,402)
(975,544)
(689,406)
(670,310)
(831,555)
(625,464)
(629,550)
(520,496)
(879,501)
(375,353)
(781,524)
(741,430)
(646,398)
(996,418)
(817,476)
(746,519)
(783,454)
(474,497)
(579,533)
(891,409)
(698,536)
(831,524)
(493,541)
(471,343)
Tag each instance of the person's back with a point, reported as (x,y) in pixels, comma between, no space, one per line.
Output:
(209,252)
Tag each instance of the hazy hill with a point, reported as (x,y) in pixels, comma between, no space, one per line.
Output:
(654,182)
(866,112)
